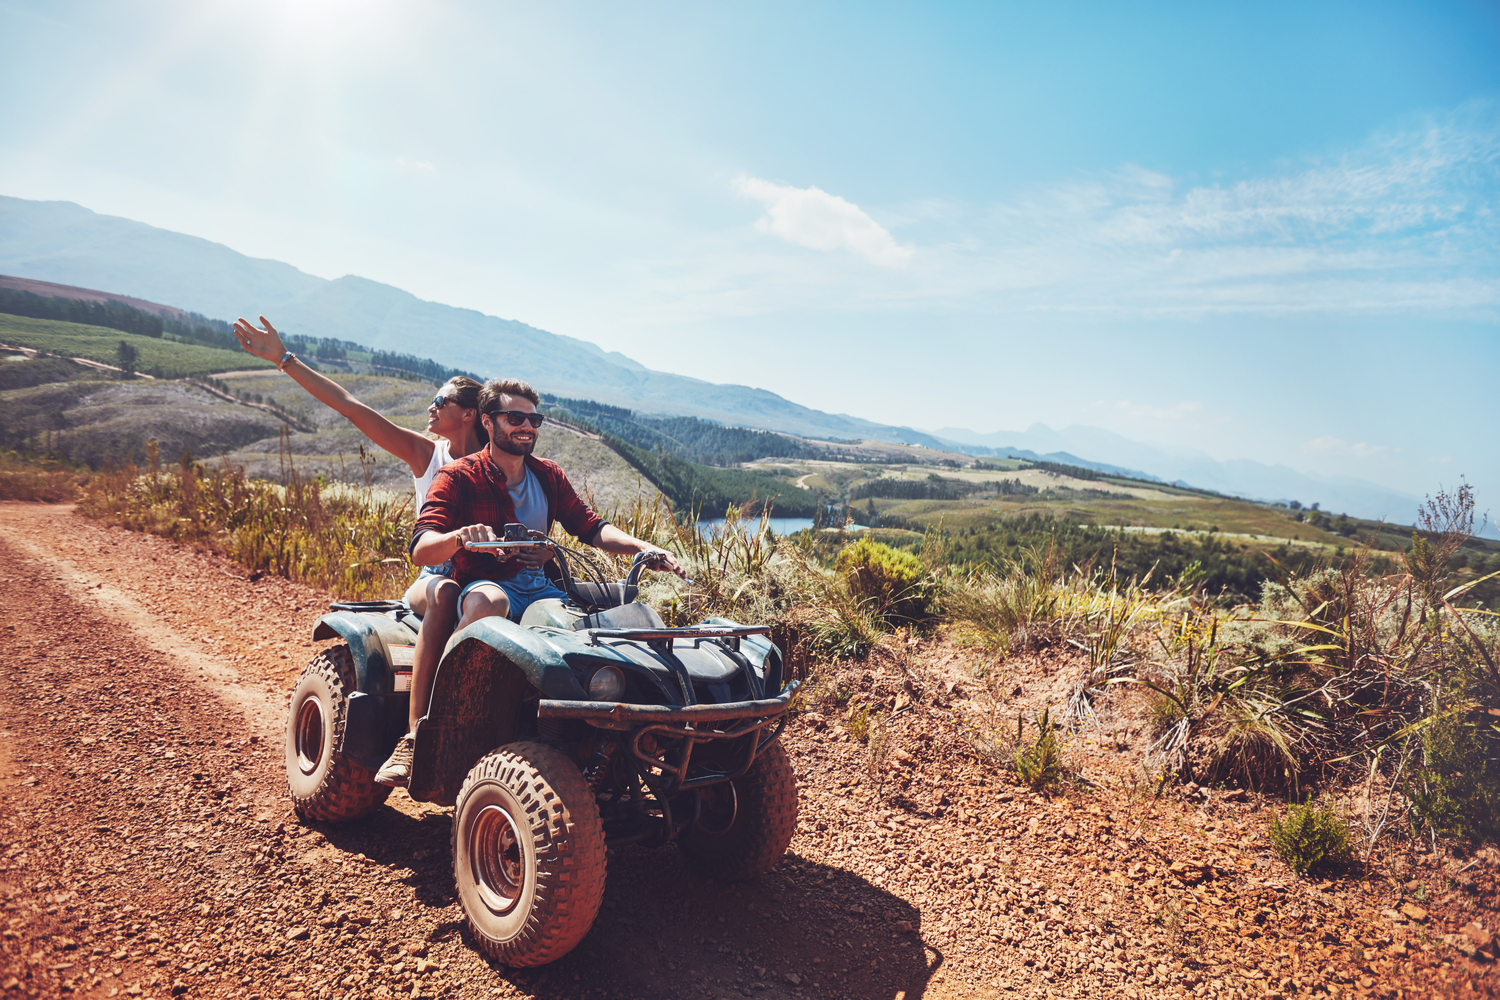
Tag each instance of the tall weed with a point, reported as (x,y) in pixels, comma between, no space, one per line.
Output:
(347,540)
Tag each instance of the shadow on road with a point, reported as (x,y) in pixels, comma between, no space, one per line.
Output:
(804,930)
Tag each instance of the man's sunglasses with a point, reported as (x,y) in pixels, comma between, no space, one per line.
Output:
(518,417)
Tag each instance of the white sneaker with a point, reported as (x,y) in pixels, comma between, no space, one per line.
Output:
(396,771)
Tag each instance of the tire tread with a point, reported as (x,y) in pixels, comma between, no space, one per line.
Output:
(348,791)
(570,851)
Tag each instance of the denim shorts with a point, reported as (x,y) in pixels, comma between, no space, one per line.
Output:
(521,593)
(446,569)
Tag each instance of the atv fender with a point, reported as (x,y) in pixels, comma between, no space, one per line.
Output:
(368,637)
(488,671)
(376,714)
(542,663)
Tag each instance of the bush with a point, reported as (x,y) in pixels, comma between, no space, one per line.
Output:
(1312,834)
(893,580)
(1039,766)
(1458,793)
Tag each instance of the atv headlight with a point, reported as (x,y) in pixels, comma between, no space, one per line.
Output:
(607,684)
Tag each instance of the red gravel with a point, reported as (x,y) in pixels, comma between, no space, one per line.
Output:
(147,848)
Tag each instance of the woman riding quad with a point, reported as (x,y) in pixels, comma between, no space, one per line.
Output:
(453,421)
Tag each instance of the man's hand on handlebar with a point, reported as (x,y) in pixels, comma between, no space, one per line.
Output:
(476,533)
(661,559)
(533,554)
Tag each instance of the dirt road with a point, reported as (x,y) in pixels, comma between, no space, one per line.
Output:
(147,848)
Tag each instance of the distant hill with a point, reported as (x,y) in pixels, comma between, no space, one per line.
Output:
(1239,477)
(65,243)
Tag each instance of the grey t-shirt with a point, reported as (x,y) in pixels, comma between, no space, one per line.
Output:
(531,510)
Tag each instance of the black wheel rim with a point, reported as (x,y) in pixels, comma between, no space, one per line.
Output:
(309,735)
(497,859)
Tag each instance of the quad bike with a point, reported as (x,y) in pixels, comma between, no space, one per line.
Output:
(586,725)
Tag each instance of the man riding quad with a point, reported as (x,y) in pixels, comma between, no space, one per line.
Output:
(472,499)
(564,717)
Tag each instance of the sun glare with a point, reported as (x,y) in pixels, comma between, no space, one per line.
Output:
(328,28)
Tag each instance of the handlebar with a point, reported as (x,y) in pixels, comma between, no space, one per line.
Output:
(482,546)
(642,560)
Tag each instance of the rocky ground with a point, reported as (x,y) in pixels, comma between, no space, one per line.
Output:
(147,848)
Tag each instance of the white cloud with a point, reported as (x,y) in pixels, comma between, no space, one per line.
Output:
(1176,411)
(811,217)
(1402,224)
(406,166)
(1334,446)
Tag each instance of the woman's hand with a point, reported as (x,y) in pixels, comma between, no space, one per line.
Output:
(264,343)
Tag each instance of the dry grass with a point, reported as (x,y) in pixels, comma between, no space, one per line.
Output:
(352,541)
(39,480)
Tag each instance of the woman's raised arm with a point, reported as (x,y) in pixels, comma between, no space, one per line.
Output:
(409,446)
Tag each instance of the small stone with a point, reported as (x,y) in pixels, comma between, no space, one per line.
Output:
(903,927)
(794,979)
(1414,912)
(417,948)
(297,934)
(1476,933)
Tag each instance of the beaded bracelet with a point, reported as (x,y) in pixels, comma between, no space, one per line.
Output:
(288,356)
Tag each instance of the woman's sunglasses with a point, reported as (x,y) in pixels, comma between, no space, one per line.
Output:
(439,401)
(518,417)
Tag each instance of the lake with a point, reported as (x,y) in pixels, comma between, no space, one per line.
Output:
(779,525)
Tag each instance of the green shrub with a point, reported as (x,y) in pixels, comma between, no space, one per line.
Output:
(844,628)
(1311,834)
(1458,793)
(859,722)
(894,581)
(1039,766)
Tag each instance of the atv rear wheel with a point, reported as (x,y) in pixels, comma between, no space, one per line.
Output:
(324,783)
(528,854)
(745,825)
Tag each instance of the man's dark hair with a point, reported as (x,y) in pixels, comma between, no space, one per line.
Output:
(495,388)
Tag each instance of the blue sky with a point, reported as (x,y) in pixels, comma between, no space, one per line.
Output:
(1265,231)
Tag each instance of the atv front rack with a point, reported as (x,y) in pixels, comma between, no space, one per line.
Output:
(652,636)
(662,738)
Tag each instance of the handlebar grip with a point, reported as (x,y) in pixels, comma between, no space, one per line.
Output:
(477,546)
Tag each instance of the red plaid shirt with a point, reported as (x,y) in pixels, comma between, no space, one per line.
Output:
(472,490)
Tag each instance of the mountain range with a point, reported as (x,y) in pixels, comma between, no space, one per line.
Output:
(66,243)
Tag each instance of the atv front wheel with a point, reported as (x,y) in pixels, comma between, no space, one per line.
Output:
(745,825)
(324,783)
(528,854)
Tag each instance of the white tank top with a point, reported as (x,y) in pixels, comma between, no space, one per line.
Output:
(440,457)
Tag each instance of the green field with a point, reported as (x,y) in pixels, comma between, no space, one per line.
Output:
(160,358)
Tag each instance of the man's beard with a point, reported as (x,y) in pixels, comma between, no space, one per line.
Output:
(510,447)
